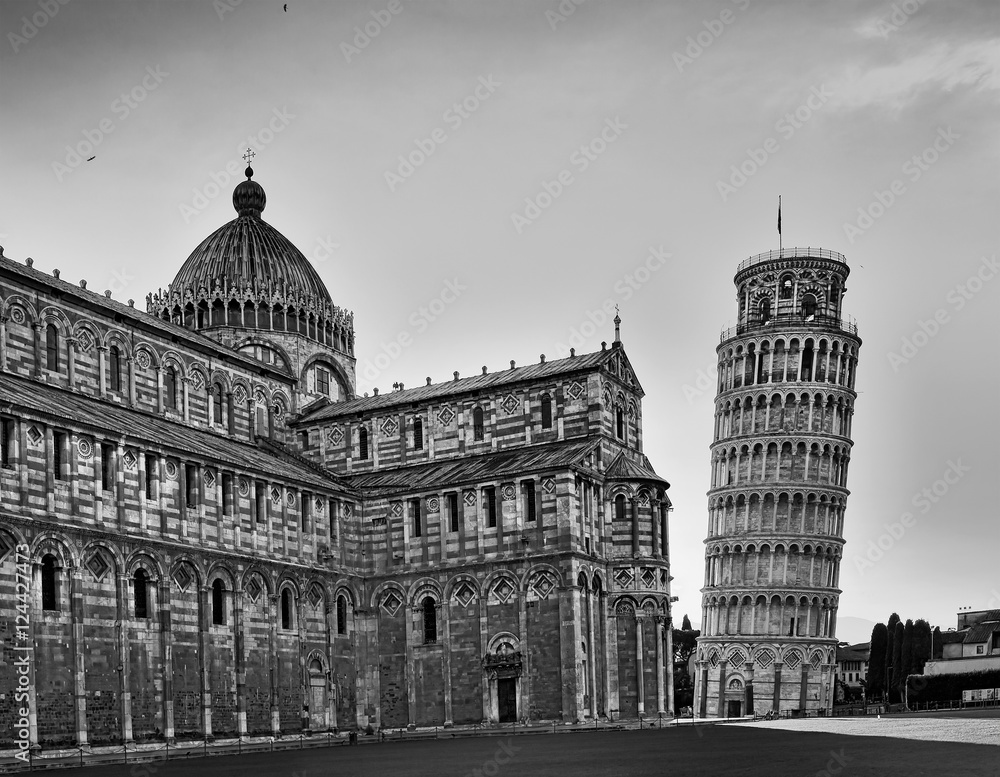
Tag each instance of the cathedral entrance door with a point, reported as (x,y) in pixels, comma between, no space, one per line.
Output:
(734,708)
(507,699)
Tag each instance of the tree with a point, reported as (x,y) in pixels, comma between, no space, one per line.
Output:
(876,660)
(921,646)
(905,659)
(937,645)
(897,662)
(685,643)
(890,628)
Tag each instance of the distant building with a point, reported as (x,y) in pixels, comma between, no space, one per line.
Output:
(973,647)
(852,664)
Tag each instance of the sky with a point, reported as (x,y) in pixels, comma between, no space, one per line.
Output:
(483,181)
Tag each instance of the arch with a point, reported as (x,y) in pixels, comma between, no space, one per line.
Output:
(30,314)
(454,582)
(428,607)
(422,588)
(478,428)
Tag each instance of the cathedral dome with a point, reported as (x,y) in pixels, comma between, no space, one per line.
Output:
(249,252)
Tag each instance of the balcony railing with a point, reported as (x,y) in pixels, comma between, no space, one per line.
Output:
(757,325)
(792,253)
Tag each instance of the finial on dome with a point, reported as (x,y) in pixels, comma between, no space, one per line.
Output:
(248,197)
(618,323)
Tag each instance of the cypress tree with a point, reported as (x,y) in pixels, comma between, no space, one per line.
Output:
(686,623)
(921,646)
(887,674)
(892,680)
(876,661)
(906,658)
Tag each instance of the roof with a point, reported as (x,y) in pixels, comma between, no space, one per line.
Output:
(624,468)
(249,250)
(107,418)
(859,652)
(981,633)
(951,637)
(474,469)
(491,380)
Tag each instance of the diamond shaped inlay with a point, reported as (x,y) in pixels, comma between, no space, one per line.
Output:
(334,435)
(548,485)
(129,459)
(765,658)
(34,435)
(793,659)
(465,594)
(98,565)
(254,589)
(624,577)
(446,416)
(5,546)
(649,579)
(183,576)
(390,426)
(315,595)
(397,508)
(239,395)
(84,341)
(817,659)
(209,478)
(575,391)
(276,495)
(348,510)
(737,659)
(503,590)
(469,498)
(713,659)
(543,584)
(391,603)
(510,404)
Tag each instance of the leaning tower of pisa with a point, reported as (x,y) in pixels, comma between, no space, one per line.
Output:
(780,453)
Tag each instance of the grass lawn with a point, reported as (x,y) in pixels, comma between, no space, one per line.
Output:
(704,750)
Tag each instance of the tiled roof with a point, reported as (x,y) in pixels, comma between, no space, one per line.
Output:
(624,468)
(475,469)
(492,380)
(18,394)
(981,633)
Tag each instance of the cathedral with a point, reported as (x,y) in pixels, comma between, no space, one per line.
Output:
(780,453)
(205,532)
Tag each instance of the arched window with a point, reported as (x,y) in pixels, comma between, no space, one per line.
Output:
(477,424)
(418,434)
(140,593)
(363,443)
(286,609)
(430,621)
(620,423)
(115,368)
(808,306)
(546,412)
(217,403)
(52,347)
(170,387)
(620,507)
(50,598)
(786,287)
(341,614)
(218,602)
(765,310)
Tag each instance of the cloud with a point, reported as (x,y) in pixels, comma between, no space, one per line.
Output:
(939,67)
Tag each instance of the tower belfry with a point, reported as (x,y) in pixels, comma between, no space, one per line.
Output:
(780,452)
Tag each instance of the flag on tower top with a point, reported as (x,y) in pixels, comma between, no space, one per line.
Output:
(779,214)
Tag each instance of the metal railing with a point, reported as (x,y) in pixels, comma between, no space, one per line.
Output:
(756,326)
(792,253)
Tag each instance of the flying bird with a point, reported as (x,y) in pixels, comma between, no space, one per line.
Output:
(286,7)
(92,158)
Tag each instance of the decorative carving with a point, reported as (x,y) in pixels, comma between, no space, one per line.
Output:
(575,391)
(469,498)
(17,314)
(510,404)
(433,504)
(142,359)
(98,565)
(334,435)
(85,447)
(508,493)
(390,426)
(244,487)
(503,663)
(446,416)
(548,485)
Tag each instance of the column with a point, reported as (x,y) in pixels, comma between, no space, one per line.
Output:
(635,526)
(720,711)
(273,658)
(668,628)
(654,513)
(445,612)
(410,614)
(639,669)
(776,699)
(591,655)
(124,664)
(79,648)
(660,679)
(204,645)
(239,658)
(166,650)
